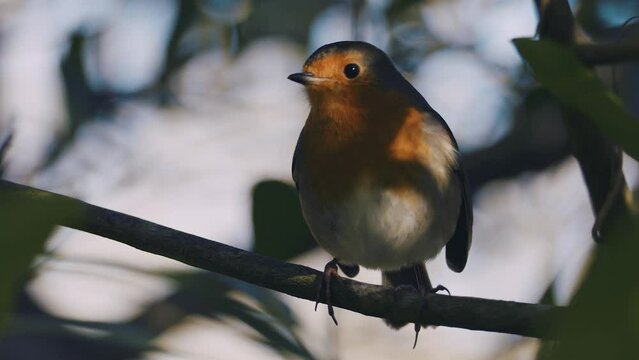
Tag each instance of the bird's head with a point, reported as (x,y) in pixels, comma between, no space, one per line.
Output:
(348,71)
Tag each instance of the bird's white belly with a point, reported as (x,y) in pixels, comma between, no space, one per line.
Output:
(384,229)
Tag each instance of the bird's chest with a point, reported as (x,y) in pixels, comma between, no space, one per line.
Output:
(342,155)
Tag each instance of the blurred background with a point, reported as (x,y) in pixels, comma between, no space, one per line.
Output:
(179,112)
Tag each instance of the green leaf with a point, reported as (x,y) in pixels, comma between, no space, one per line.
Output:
(279,227)
(23,231)
(575,85)
(602,321)
(24,228)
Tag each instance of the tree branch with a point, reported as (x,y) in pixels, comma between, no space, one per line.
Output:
(558,23)
(534,320)
(607,54)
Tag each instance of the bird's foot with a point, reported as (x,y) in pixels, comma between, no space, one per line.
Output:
(324,287)
(424,292)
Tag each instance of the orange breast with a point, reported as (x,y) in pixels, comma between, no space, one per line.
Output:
(345,145)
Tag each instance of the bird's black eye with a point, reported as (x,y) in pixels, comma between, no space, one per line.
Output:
(351,70)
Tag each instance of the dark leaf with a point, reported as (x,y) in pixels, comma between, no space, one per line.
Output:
(279,227)
(603,322)
(561,72)
(23,231)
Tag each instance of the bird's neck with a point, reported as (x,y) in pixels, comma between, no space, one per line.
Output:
(343,118)
(337,121)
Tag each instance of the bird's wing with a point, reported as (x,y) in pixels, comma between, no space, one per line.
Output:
(458,246)
(296,159)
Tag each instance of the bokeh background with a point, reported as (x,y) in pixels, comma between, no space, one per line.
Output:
(179,112)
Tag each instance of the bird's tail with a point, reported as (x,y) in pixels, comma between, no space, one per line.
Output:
(414,275)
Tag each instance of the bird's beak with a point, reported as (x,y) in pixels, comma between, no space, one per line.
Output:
(303,78)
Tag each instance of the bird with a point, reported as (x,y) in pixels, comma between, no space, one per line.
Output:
(378,172)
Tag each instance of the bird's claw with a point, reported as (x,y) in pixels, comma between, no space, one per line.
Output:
(330,270)
(417,329)
(425,291)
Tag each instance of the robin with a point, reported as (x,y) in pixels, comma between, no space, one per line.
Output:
(378,171)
